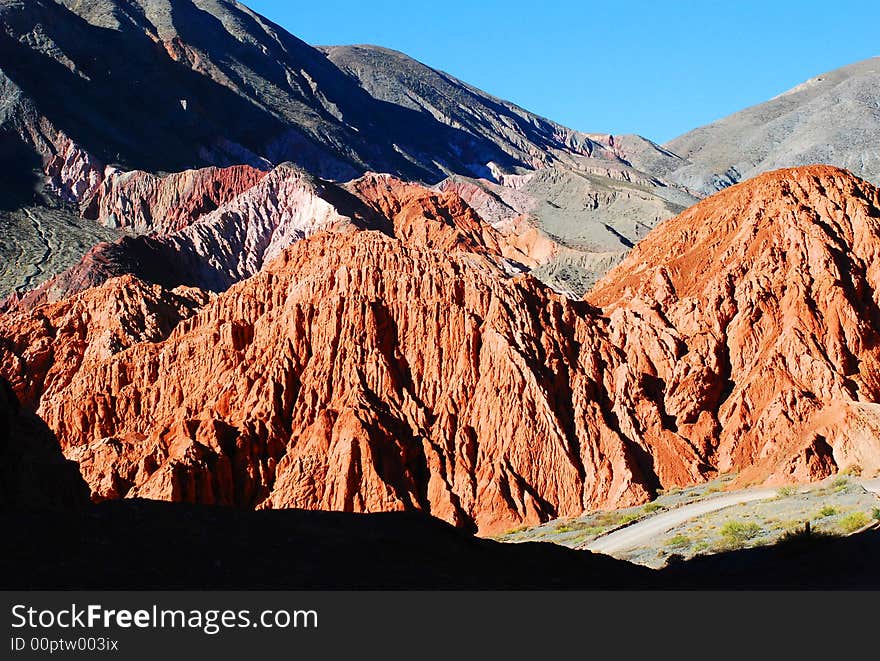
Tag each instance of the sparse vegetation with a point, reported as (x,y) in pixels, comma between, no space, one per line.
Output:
(612,519)
(736,533)
(593,531)
(679,541)
(852,469)
(514,531)
(671,491)
(839,483)
(835,508)
(853,521)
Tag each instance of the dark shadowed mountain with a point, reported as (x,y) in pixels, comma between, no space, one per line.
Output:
(198,82)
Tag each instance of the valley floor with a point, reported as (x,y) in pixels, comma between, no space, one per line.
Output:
(703,520)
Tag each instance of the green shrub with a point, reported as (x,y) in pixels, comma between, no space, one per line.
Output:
(876,513)
(786,492)
(650,508)
(839,483)
(737,533)
(853,521)
(514,531)
(828,510)
(679,541)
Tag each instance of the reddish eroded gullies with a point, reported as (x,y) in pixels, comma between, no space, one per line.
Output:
(365,372)
(359,373)
(756,312)
(442,220)
(41,351)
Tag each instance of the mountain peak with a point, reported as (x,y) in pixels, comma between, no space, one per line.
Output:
(768,294)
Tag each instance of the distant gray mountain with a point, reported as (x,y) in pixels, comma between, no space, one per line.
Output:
(397,79)
(580,189)
(167,85)
(833,118)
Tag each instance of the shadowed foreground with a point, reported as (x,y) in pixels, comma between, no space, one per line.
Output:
(135,544)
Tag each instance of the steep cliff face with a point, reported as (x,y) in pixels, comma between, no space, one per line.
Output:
(361,374)
(756,311)
(406,369)
(41,352)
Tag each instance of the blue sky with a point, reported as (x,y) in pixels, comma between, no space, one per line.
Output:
(655,68)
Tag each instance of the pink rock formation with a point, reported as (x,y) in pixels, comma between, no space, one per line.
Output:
(147,203)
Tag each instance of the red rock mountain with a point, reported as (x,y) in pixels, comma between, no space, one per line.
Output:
(756,311)
(365,370)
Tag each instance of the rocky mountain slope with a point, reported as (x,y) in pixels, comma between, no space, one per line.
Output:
(365,370)
(195,84)
(833,118)
(202,82)
(272,211)
(756,311)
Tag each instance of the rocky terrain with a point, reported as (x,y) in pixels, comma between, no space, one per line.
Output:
(234,240)
(239,270)
(38,241)
(833,118)
(755,311)
(200,84)
(410,368)
(34,475)
(211,83)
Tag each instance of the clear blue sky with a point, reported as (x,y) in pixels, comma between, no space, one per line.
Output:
(625,66)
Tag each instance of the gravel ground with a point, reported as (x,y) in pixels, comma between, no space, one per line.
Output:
(576,532)
(836,506)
